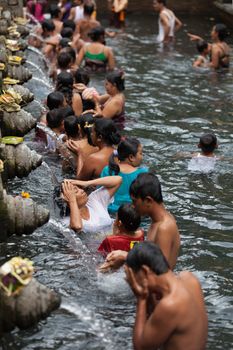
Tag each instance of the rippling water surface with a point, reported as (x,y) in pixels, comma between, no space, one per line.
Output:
(169,105)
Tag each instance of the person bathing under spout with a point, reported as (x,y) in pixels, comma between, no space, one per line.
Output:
(89,213)
(178,318)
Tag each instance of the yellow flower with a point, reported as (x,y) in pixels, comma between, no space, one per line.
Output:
(25,194)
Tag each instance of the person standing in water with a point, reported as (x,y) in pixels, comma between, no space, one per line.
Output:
(177,317)
(219,49)
(168,22)
(146,194)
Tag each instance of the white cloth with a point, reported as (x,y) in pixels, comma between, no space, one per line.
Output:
(203,164)
(78,14)
(171,20)
(97,205)
(53,140)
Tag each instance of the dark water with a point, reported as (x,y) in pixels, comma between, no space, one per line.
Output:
(169,106)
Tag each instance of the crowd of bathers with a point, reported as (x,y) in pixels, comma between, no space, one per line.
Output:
(108,190)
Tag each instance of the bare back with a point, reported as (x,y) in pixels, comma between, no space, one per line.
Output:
(165,233)
(191,322)
(84,27)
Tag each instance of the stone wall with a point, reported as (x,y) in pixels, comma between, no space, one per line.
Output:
(14,6)
(179,6)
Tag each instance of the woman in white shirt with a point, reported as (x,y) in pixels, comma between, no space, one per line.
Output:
(89,213)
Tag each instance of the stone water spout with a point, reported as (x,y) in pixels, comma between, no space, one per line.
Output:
(16,123)
(24,92)
(19,73)
(19,216)
(29,303)
(18,160)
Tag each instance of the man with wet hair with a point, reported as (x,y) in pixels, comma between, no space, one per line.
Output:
(146,194)
(178,318)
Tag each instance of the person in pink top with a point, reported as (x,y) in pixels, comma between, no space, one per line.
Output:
(36,8)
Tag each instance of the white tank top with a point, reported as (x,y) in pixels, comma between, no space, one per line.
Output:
(78,14)
(171,20)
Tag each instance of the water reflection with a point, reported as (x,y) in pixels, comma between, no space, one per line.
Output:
(169,106)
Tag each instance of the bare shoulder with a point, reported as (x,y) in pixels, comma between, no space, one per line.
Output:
(93,157)
(165,309)
(168,224)
(189,278)
(215,48)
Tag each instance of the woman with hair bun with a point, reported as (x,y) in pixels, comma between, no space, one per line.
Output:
(104,135)
(125,162)
(220,50)
(112,104)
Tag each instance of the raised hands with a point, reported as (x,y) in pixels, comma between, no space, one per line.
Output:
(68,192)
(140,289)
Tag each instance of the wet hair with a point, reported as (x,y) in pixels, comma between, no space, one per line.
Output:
(55,100)
(88,9)
(146,184)
(65,86)
(128,146)
(86,122)
(71,125)
(148,254)
(107,129)
(54,10)
(81,76)
(64,42)
(222,31)
(48,25)
(88,104)
(55,118)
(202,45)
(71,52)
(129,217)
(208,142)
(116,78)
(64,60)
(69,24)
(67,33)
(96,33)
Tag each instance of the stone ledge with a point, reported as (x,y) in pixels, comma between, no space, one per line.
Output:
(228,8)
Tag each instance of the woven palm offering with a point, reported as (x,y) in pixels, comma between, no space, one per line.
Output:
(15,274)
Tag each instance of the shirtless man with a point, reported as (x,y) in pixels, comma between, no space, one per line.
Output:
(85,25)
(178,319)
(168,22)
(147,199)
(55,13)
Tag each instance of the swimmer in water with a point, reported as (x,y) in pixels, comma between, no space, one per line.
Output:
(208,144)
(205,160)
